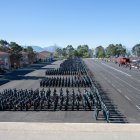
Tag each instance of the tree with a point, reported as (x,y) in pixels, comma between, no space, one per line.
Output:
(70,51)
(115,50)
(100,52)
(64,52)
(80,51)
(111,50)
(15,52)
(58,52)
(3,45)
(31,54)
(120,50)
(136,50)
(83,51)
(128,53)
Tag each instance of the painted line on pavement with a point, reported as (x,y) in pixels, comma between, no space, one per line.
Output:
(113,85)
(130,76)
(138,107)
(116,69)
(127,83)
(121,80)
(119,90)
(127,98)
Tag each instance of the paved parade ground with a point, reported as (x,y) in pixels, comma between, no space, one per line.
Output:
(120,84)
(32,80)
(119,87)
(120,91)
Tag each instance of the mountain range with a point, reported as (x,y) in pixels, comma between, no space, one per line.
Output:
(49,48)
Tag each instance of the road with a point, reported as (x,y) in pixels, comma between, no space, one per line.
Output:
(121,85)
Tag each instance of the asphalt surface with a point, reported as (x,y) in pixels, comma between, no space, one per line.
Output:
(120,85)
(119,88)
(21,79)
(19,74)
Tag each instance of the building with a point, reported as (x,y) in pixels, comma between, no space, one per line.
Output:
(24,60)
(5,60)
(44,56)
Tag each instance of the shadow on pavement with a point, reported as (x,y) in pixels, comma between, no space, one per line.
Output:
(19,74)
(115,115)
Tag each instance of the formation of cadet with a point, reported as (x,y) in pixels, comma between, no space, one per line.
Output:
(65,71)
(73,64)
(19,100)
(68,67)
(72,81)
(76,75)
(99,104)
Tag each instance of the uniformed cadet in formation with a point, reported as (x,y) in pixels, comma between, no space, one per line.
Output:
(18,100)
(73,81)
(72,73)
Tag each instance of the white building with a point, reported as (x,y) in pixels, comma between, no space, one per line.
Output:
(5,60)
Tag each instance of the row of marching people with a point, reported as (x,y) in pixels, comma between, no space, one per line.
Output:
(100,106)
(68,67)
(73,81)
(65,71)
(19,100)
(13,99)
(74,64)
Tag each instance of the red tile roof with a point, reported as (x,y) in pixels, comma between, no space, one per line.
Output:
(43,54)
(4,53)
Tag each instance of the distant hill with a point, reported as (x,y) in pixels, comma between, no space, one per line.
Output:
(52,48)
(49,48)
(38,48)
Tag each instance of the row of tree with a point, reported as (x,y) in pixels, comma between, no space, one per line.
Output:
(15,50)
(81,51)
(136,50)
(116,50)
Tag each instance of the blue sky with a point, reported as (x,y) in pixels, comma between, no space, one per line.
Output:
(63,22)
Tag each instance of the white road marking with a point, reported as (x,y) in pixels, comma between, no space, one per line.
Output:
(127,83)
(130,76)
(113,85)
(121,80)
(116,69)
(127,98)
(119,90)
(138,107)
(135,79)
